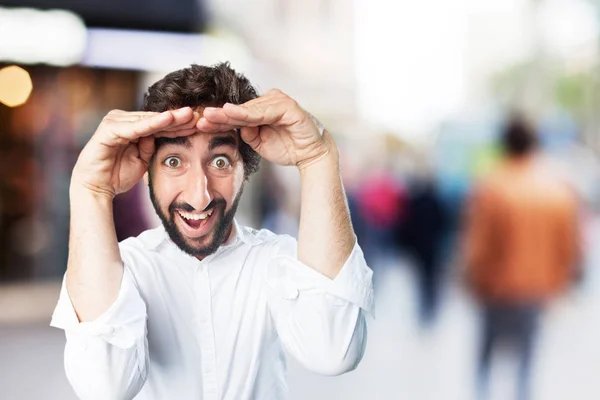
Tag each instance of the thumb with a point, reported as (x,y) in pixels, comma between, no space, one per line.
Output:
(251,135)
(146,148)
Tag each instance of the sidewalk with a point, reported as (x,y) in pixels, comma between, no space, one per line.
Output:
(28,303)
(401,361)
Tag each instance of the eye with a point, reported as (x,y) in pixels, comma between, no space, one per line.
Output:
(220,162)
(172,162)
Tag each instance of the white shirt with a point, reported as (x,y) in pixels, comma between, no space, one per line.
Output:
(215,329)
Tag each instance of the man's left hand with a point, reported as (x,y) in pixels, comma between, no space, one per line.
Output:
(274,125)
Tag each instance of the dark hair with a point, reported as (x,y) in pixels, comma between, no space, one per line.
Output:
(202,86)
(519,137)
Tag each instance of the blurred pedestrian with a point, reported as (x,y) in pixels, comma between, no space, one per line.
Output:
(380,202)
(521,248)
(422,235)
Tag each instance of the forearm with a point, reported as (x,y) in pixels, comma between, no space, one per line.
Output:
(106,358)
(95,269)
(325,237)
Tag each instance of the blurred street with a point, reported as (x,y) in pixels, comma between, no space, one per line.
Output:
(402,361)
(469,154)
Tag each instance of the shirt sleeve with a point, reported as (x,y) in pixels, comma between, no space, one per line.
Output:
(320,321)
(106,358)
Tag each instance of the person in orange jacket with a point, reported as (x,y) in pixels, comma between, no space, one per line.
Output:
(521,247)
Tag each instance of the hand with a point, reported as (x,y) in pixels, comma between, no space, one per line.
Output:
(274,125)
(119,152)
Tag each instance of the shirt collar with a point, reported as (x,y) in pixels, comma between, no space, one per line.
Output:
(242,233)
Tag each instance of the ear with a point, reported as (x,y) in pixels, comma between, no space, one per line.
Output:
(146,178)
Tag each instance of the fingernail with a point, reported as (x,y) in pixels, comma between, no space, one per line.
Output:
(210,108)
(183,109)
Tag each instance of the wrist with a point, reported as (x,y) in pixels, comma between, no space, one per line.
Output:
(88,207)
(83,184)
(81,190)
(326,156)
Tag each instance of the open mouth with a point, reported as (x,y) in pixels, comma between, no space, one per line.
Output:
(196,220)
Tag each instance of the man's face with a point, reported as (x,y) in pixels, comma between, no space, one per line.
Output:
(195,186)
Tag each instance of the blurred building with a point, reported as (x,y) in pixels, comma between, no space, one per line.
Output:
(304,48)
(77,66)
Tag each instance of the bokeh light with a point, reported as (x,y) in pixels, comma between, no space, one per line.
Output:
(15,86)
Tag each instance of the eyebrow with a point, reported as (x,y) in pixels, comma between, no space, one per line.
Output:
(176,141)
(218,141)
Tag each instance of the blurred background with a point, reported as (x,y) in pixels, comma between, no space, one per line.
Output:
(416,93)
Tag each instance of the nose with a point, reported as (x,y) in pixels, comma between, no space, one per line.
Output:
(197,193)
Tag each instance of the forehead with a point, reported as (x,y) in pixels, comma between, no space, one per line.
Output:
(201,141)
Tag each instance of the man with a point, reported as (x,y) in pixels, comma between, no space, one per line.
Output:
(521,248)
(201,308)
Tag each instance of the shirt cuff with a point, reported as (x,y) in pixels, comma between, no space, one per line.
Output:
(121,325)
(287,276)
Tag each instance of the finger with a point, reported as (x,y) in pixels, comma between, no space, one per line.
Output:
(146,148)
(219,116)
(116,116)
(136,115)
(263,113)
(182,116)
(271,95)
(210,127)
(120,115)
(130,152)
(130,131)
(251,135)
(188,125)
(215,115)
(123,132)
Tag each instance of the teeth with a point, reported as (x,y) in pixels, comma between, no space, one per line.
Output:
(195,217)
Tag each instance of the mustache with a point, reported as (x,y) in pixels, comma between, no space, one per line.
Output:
(188,208)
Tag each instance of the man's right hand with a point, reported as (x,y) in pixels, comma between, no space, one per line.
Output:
(119,152)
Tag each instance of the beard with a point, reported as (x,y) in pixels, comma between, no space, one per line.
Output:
(194,246)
